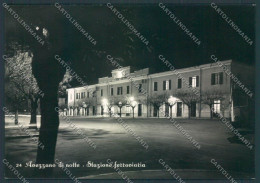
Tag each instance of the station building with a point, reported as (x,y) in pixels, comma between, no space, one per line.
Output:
(131,91)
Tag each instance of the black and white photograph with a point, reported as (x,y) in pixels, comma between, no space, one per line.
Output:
(129,91)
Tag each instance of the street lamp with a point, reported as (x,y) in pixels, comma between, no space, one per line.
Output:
(120,105)
(171,102)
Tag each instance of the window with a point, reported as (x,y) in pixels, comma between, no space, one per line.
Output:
(127,90)
(194,81)
(88,95)
(179,83)
(112,91)
(140,88)
(217,78)
(155,86)
(143,80)
(119,90)
(101,92)
(216,106)
(76,95)
(167,85)
(82,94)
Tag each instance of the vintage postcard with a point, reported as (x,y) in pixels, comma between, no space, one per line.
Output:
(129,91)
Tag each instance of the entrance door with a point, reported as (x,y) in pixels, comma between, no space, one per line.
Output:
(193,109)
(154,111)
(94,111)
(179,109)
(139,109)
(166,110)
(102,110)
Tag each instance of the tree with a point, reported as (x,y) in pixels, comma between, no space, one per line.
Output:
(171,102)
(14,99)
(65,84)
(61,37)
(89,102)
(209,98)
(120,102)
(188,97)
(109,103)
(157,100)
(132,103)
(19,75)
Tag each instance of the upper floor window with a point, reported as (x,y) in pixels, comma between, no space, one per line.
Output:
(155,86)
(217,78)
(101,92)
(77,95)
(140,88)
(88,95)
(111,91)
(179,83)
(127,90)
(82,94)
(167,85)
(194,81)
(119,90)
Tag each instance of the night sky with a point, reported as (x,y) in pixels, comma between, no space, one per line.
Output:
(164,35)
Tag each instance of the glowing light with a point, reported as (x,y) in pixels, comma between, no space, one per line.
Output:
(105,101)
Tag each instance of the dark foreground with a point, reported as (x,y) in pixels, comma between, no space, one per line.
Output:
(115,143)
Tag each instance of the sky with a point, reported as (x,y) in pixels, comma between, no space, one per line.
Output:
(164,35)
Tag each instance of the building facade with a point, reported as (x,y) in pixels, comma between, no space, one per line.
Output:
(200,91)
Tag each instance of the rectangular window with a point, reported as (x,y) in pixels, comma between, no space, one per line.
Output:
(119,90)
(101,92)
(179,83)
(140,88)
(216,106)
(82,95)
(88,94)
(76,95)
(167,85)
(194,81)
(155,86)
(170,84)
(217,78)
(112,91)
(127,90)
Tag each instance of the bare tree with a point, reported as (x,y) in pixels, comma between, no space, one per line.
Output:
(120,102)
(158,100)
(88,102)
(188,97)
(210,97)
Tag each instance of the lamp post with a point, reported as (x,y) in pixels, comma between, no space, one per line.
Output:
(171,102)
(120,105)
